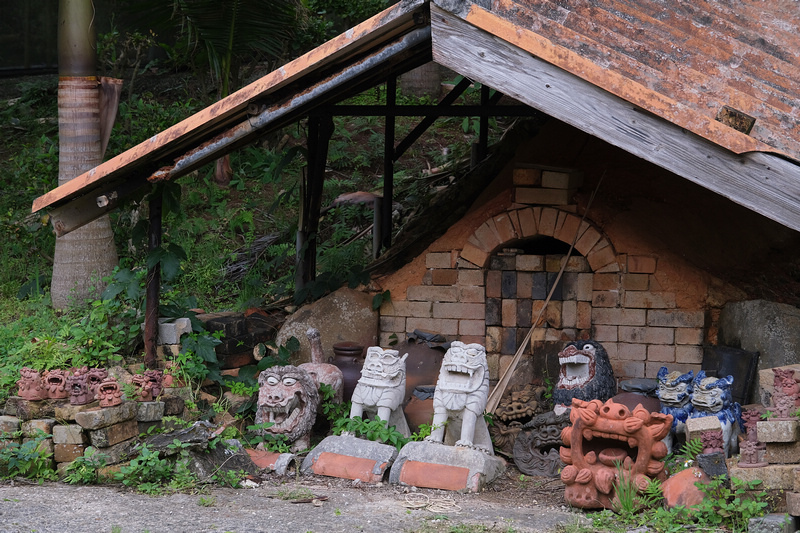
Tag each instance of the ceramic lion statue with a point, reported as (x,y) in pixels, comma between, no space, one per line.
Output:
(288,398)
(460,398)
(381,388)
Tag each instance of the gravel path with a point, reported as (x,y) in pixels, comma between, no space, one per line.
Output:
(341,507)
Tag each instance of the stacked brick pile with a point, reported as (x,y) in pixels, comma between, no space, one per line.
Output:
(74,429)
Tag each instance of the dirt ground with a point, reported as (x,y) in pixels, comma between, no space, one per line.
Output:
(283,505)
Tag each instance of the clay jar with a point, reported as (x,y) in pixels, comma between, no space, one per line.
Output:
(349,357)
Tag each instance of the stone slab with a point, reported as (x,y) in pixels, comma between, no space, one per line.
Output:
(350,458)
(30,409)
(114,454)
(149,411)
(773,523)
(772,476)
(438,466)
(778,430)
(782,453)
(793,503)
(45,445)
(713,464)
(65,453)
(9,424)
(69,434)
(67,411)
(696,426)
(30,428)
(110,435)
(101,417)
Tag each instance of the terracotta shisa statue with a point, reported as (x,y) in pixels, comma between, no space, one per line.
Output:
(31,386)
(78,384)
(288,398)
(783,405)
(460,398)
(109,392)
(750,417)
(143,387)
(156,379)
(381,388)
(712,441)
(605,442)
(784,381)
(94,377)
(56,383)
(321,369)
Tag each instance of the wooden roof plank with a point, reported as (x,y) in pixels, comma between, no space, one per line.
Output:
(763,183)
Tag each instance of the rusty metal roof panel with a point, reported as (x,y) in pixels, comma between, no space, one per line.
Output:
(690,62)
(150,158)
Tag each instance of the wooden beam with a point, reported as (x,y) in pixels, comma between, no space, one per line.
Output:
(761,182)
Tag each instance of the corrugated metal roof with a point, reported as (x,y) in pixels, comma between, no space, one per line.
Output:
(684,61)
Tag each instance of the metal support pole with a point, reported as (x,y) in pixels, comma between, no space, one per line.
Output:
(388,164)
(153,288)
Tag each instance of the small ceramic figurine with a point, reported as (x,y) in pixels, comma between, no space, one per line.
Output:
(56,382)
(109,393)
(675,393)
(30,385)
(78,384)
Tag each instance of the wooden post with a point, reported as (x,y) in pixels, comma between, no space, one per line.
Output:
(320,129)
(388,163)
(153,288)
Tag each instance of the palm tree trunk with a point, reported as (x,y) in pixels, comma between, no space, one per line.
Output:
(83,257)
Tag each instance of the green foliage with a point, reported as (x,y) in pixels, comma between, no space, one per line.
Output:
(730,507)
(85,470)
(256,435)
(29,459)
(151,474)
(331,409)
(375,429)
(683,458)
(229,478)
(209,501)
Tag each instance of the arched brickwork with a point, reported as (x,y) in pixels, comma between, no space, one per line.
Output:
(540,221)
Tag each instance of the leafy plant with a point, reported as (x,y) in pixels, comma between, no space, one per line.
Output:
(85,470)
(29,459)
(147,472)
(274,443)
(684,458)
(331,409)
(375,429)
(209,501)
(730,507)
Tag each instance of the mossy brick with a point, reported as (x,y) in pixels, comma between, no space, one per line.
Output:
(782,453)
(9,425)
(696,426)
(106,416)
(772,476)
(69,434)
(31,428)
(149,411)
(65,453)
(114,434)
(778,430)
(30,409)
(68,411)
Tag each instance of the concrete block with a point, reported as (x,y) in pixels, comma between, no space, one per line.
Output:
(31,428)
(149,411)
(782,453)
(771,476)
(437,466)
(778,430)
(69,434)
(793,503)
(9,425)
(30,410)
(558,179)
(65,453)
(106,416)
(350,458)
(695,426)
(110,435)
(67,411)
(773,523)
(114,454)
(171,330)
(527,176)
(542,196)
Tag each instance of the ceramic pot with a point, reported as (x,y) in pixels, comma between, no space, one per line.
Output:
(349,357)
